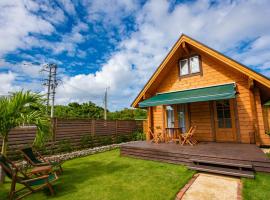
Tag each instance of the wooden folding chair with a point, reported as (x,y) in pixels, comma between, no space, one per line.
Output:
(188,137)
(31,184)
(39,160)
(178,137)
(157,136)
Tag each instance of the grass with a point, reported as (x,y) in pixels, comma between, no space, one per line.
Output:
(257,189)
(109,176)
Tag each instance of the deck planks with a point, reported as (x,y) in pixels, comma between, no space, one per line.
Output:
(175,153)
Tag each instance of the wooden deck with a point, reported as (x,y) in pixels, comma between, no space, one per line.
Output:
(228,155)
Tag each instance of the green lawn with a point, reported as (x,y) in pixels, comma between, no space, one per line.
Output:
(257,189)
(109,176)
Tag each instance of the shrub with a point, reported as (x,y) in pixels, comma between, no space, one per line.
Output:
(65,146)
(123,138)
(86,141)
(106,140)
(138,135)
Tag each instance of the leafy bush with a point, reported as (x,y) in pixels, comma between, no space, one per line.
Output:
(123,138)
(106,140)
(138,135)
(65,146)
(267,132)
(86,141)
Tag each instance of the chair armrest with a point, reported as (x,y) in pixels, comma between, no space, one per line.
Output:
(41,157)
(34,179)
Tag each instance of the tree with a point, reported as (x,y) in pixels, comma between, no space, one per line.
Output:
(19,109)
(75,110)
(128,114)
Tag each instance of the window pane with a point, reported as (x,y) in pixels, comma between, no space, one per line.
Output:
(227,113)
(170,117)
(228,123)
(220,123)
(194,64)
(220,113)
(183,67)
(224,114)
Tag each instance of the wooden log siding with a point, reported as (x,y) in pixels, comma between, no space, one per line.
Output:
(72,130)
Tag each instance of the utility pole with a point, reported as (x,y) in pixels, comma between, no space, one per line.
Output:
(54,85)
(51,82)
(49,88)
(105,103)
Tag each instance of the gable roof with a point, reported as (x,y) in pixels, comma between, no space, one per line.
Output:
(229,61)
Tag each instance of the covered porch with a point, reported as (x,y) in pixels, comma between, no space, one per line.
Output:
(213,110)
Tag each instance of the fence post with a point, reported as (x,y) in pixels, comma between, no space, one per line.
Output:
(116,130)
(93,131)
(54,125)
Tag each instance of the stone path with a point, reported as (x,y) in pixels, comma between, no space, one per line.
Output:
(211,187)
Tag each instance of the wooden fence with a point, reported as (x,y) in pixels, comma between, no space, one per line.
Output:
(76,134)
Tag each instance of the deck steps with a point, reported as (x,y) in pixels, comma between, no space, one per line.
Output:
(222,170)
(222,162)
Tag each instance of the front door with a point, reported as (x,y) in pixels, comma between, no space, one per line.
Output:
(225,121)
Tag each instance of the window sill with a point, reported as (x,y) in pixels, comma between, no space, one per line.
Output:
(189,75)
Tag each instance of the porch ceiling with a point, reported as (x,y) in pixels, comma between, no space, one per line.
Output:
(217,92)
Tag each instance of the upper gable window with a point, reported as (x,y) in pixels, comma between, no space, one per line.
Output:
(190,66)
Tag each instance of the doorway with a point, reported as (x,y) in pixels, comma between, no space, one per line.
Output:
(224,117)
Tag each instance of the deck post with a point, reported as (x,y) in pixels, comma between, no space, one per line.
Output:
(254,115)
(149,122)
(164,119)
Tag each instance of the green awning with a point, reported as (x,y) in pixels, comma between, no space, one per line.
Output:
(217,92)
(267,103)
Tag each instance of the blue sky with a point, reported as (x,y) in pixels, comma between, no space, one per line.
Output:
(119,43)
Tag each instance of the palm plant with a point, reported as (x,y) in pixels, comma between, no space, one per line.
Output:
(19,109)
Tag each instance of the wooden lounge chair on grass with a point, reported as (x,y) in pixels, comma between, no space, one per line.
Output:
(31,184)
(39,160)
(188,137)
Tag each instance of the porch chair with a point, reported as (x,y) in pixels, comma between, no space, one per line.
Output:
(157,136)
(31,184)
(178,137)
(39,160)
(188,137)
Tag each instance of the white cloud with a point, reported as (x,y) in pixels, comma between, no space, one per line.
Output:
(6,83)
(222,26)
(111,13)
(16,22)
(68,6)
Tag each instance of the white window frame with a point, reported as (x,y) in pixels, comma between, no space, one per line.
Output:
(180,65)
(189,66)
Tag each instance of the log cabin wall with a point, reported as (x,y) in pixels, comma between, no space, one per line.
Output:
(200,115)
(213,73)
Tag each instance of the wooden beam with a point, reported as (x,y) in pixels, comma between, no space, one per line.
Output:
(237,125)
(254,116)
(213,125)
(184,45)
(250,83)
(149,122)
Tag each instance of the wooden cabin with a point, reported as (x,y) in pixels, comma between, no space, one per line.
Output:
(197,85)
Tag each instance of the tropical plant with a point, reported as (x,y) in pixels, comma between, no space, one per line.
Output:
(21,109)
